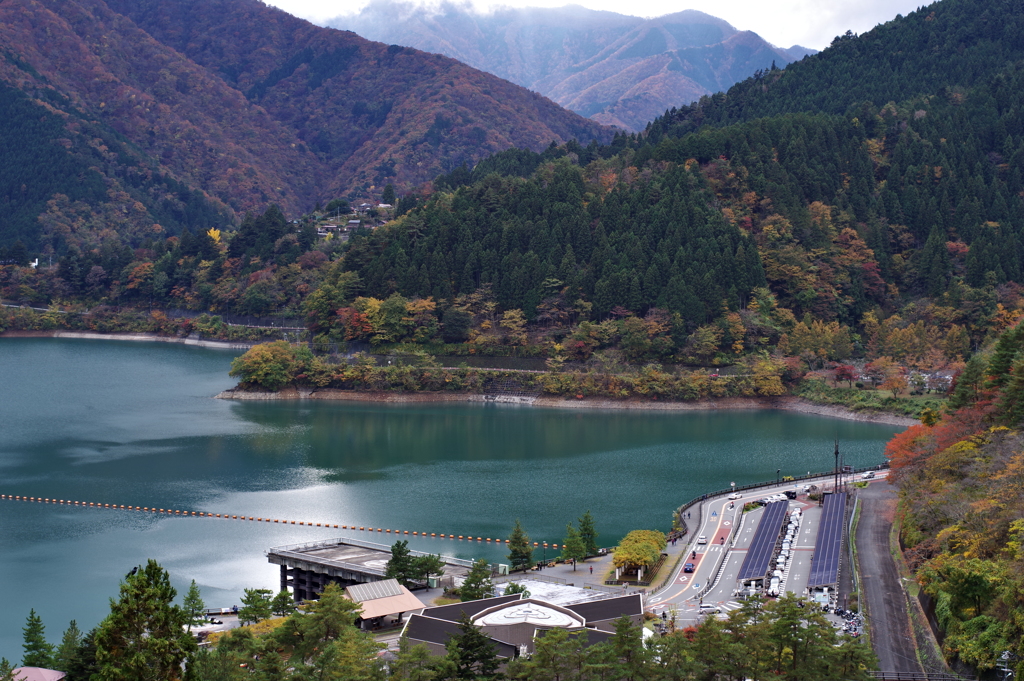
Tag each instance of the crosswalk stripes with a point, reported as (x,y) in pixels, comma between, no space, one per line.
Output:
(731,605)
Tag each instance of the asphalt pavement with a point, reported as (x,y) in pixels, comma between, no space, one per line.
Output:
(884,597)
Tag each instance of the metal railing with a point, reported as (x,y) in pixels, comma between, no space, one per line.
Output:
(526,575)
(918,676)
(351,567)
(347,541)
(789,479)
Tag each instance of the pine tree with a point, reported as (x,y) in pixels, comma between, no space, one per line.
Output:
(478,582)
(68,648)
(255,606)
(520,553)
(194,607)
(144,635)
(628,649)
(471,654)
(412,662)
(573,549)
(283,604)
(6,670)
(400,566)
(588,533)
(38,653)
(83,665)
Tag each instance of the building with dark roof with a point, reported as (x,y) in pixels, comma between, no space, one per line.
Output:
(602,614)
(513,623)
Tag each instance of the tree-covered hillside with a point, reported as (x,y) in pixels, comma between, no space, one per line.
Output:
(948,44)
(887,231)
(61,190)
(961,479)
(203,111)
(604,234)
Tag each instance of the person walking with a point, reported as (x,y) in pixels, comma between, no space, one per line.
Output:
(591,569)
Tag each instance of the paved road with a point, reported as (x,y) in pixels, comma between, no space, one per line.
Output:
(885,601)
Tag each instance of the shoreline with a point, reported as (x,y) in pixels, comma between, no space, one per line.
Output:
(784,403)
(146,337)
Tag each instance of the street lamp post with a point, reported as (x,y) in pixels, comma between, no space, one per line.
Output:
(777,478)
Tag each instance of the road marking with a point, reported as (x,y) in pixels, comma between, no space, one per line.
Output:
(726,522)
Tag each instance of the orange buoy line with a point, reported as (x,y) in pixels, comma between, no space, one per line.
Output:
(201,514)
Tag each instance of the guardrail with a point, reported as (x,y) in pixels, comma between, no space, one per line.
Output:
(789,479)
(919,676)
(526,575)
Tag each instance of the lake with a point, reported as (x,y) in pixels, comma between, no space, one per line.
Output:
(134,424)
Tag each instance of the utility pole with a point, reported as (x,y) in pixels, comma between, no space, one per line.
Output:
(835,487)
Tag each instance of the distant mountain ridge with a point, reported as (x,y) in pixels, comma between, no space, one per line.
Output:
(617,69)
(250,105)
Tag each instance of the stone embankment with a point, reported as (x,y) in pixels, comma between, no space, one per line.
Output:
(794,404)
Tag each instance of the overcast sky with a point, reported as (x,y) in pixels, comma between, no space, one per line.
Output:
(811,23)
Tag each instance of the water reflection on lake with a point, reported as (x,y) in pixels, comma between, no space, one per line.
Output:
(133,423)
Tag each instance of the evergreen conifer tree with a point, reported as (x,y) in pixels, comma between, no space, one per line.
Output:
(38,653)
(478,582)
(471,654)
(144,635)
(68,648)
(256,606)
(283,604)
(401,565)
(573,549)
(588,533)
(520,553)
(194,607)
(6,670)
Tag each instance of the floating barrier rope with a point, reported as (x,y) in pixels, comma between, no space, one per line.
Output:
(200,514)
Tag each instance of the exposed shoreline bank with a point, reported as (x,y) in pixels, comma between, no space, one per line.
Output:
(785,403)
(149,337)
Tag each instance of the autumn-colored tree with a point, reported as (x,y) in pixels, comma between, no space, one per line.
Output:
(270,365)
(907,450)
(354,324)
(846,372)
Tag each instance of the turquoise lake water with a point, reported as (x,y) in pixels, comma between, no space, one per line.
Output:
(134,424)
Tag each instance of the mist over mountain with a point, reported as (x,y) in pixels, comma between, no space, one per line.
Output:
(617,69)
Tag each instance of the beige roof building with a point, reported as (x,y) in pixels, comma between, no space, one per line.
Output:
(382,599)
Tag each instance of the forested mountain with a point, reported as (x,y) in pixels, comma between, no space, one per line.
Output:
(892,231)
(169,101)
(618,69)
(940,48)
